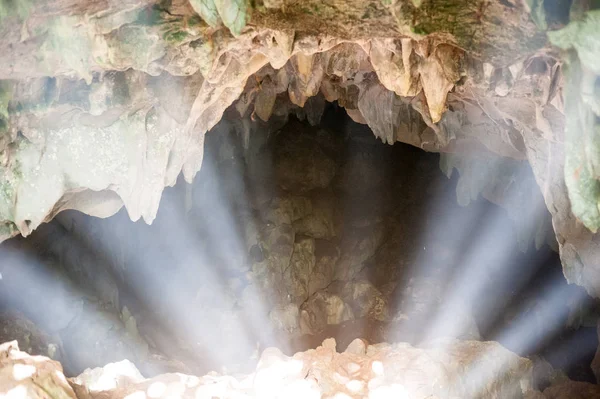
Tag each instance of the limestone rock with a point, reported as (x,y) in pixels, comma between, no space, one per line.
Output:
(285,317)
(287,209)
(366,300)
(320,222)
(324,308)
(28,376)
(357,347)
(107,378)
(458,369)
(326,256)
(356,247)
(74,76)
(301,164)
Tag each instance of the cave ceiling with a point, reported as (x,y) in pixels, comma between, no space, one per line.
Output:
(104,103)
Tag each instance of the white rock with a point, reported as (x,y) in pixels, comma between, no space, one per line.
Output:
(329,343)
(341,395)
(355,385)
(377,367)
(111,376)
(357,347)
(340,379)
(395,391)
(352,368)
(269,357)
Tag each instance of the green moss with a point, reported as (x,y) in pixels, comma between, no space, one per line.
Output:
(581,155)
(471,24)
(581,42)
(584,37)
(175,36)
(234,14)
(446,16)
(420,30)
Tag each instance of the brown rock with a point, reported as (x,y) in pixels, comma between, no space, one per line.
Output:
(28,376)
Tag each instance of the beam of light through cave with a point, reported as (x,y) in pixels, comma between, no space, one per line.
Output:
(180,276)
(489,257)
(548,310)
(181,271)
(445,233)
(43,293)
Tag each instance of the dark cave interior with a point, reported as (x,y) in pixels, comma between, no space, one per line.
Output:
(324,220)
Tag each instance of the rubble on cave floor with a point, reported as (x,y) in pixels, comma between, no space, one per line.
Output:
(442,369)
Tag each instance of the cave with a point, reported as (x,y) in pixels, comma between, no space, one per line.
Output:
(299,199)
(304,230)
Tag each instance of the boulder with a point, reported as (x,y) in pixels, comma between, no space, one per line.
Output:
(25,376)
(107,378)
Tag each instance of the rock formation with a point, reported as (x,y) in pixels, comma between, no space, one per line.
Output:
(446,369)
(104,104)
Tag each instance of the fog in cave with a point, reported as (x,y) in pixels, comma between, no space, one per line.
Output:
(292,235)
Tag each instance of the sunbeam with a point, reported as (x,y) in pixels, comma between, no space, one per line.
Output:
(282,199)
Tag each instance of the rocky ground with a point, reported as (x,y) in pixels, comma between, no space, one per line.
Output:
(445,369)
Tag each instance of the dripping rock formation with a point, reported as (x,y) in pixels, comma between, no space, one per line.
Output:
(104,103)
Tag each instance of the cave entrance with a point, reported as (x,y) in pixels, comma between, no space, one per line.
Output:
(292,234)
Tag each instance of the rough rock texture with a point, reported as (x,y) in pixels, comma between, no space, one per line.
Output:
(444,369)
(109,377)
(25,376)
(445,78)
(457,369)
